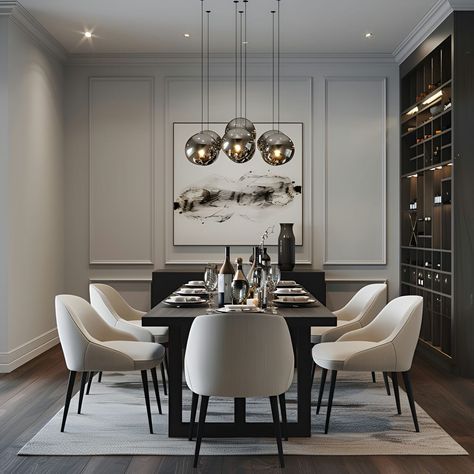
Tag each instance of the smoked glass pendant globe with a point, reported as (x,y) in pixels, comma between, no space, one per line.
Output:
(278,150)
(215,136)
(201,149)
(241,122)
(239,145)
(262,140)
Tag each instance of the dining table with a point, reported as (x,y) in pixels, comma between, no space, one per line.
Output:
(300,319)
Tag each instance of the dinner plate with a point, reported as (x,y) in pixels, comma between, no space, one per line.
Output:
(178,304)
(285,292)
(295,303)
(197,293)
(242,310)
(190,285)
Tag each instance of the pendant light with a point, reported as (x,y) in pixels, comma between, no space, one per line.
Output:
(238,142)
(276,148)
(203,148)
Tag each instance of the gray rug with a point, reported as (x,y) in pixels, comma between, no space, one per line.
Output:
(364,421)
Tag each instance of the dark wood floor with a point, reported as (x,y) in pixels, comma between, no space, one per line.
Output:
(32,394)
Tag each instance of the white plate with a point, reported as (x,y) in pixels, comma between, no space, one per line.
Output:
(196,293)
(245,310)
(189,285)
(295,303)
(286,292)
(185,303)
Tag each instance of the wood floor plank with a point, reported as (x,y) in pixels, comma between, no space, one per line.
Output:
(32,394)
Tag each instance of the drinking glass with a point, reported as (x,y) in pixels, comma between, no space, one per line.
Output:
(273,278)
(210,282)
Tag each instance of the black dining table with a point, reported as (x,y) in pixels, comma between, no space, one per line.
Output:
(299,319)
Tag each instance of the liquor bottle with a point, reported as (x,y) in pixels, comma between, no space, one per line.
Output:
(263,293)
(251,274)
(240,285)
(224,281)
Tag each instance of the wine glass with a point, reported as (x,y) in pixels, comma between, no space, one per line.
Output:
(273,278)
(210,282)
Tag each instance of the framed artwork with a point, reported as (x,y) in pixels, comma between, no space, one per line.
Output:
(232,204)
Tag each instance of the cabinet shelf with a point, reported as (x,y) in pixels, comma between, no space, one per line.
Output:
(431,138)
(420,102)
(427,122)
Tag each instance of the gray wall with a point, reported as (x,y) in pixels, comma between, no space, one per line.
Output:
(133,278)
(32,213)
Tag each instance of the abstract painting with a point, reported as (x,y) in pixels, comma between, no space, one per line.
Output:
(233,204)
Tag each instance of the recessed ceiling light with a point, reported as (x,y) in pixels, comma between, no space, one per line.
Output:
(187,35)
(87,34)
(369,35)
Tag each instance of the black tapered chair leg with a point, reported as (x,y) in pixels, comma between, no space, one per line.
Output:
(387,385)
(91,376)
(100,377)
(373,377)
(166,363)
(70,387)
(313,371)
(192,419)
(163,378)
(396,392)
(81,393)
(276,424)
(331,396)
(411,399)
(321,389)
(200,430)
(282,400)
(157,390)
(147,399)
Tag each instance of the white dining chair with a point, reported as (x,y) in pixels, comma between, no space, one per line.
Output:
(90,344)
(113,308)
(387,344)
(357,313)
(239,356)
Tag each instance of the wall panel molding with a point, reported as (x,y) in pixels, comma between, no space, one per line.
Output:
(121,170)
(347,151)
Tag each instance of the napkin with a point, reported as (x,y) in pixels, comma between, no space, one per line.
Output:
(287,282)
(292,299)
(290,290)
(182,299)
(190,291)
(240,307)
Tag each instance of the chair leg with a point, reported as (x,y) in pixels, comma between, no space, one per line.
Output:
(70,387)
(331,396)
(313,371)
(282,400)
(147,399)
(411,400)
(387,385)
(321,389)
(157,391)
(81,393)
(163,377)
(100,377)
(276,423)
(200,430)
(373,377)
(166,363)
(91,376)
(396,392)
(192,420)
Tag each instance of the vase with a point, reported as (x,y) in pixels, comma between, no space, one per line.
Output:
(286,247)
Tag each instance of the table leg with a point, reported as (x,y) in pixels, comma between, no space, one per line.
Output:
(175,381)
(303,354)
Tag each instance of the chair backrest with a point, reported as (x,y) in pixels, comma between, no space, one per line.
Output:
(78,326)
(110,304)
(399,323)
(365,305)
(239,355)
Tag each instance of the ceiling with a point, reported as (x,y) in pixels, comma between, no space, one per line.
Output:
(158,26)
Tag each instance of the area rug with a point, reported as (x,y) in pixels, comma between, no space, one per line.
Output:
(364,421)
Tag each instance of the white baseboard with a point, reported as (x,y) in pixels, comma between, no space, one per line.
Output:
(11,360)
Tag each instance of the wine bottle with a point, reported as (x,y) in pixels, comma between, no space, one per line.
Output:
(263,293)
(240,285)
(224,281)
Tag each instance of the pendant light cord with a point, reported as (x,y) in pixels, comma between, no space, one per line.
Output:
(235,55)
(278,70)
(273,69)
(202,65)
(208,67)
(245,58)
(241,62)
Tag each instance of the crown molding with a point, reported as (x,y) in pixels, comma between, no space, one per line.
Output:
(118,59)
(27,22)
(435,16)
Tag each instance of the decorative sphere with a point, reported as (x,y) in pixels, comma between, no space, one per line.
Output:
(279,149)
(241,122)
(262,140)
(201,149)
(238,145)
(215,136)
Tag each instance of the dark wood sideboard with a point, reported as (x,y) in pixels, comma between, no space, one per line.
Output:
(166,281)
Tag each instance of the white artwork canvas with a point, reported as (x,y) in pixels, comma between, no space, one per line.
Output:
(232,204)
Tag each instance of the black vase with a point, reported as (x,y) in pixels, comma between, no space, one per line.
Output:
(286,248)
